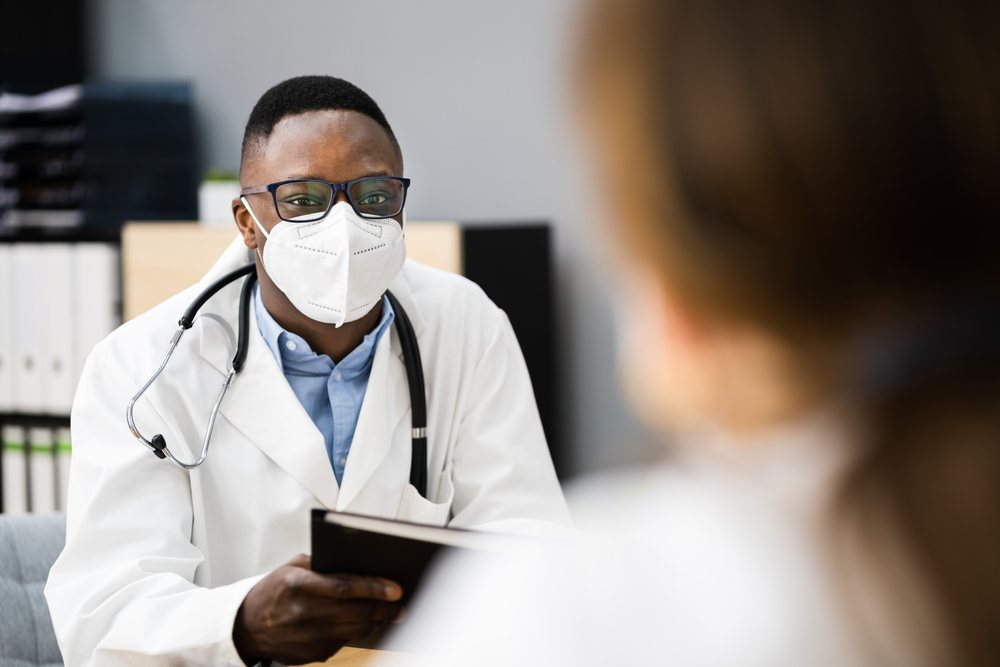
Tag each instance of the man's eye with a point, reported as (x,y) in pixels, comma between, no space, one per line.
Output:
(303,201)
(373,199)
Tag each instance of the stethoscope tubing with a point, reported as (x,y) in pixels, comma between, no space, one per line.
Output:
(131,404)
(158,444)
(418,398)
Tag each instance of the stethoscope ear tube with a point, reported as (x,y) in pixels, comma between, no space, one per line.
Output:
(418,398)
(243,340)
(187,319)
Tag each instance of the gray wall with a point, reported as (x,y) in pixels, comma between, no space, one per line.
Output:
(476,93)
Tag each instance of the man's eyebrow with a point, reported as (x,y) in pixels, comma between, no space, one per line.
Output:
(294,177)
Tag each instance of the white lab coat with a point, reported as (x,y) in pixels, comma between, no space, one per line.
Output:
(158,559)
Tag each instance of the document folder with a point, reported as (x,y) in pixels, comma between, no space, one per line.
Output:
(56,328)
(398,550)
(15,470)
(42,471)
(96,299)
(63,453)
(6,328)
(27,303)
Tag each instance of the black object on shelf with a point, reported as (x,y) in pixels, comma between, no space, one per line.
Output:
(513,265)
(105,154)
(61,235)
(42,45)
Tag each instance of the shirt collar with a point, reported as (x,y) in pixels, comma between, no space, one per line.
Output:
(276,337)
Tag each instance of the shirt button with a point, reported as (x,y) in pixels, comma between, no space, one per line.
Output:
(290,345)
(343,461)
(336,377)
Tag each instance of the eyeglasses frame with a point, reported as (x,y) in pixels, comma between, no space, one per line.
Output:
(337,187)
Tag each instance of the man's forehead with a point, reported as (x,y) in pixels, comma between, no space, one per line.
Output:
(339,141)
(317,130)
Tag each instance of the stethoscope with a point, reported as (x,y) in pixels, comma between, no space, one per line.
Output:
(411,360)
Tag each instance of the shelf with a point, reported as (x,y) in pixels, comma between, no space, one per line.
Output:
(33,420)
(82,234)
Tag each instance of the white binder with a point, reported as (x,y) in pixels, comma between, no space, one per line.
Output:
(56,328)
(6,328)
(15,470)
(28,395)
(42,471)
(63,453)
(96,299)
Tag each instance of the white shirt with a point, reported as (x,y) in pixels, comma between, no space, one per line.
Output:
(716,558)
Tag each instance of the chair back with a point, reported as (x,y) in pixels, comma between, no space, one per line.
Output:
(29,545)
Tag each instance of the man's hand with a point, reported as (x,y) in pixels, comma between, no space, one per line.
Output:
(295,615)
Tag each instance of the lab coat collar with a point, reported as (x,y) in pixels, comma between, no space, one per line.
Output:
(262,405)
(235,256)
(400,288)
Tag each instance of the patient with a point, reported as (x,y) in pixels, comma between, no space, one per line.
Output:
(805,197)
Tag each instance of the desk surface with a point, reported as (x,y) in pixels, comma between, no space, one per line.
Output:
(363,657)
(354,657)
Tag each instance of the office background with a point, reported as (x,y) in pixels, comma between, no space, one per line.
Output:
(477,94)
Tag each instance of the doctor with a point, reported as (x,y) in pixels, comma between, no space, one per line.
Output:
(169,566)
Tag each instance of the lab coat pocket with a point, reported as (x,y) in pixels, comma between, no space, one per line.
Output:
(417,509)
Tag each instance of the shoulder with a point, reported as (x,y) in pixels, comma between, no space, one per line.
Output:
(670,510)
(140,343)
(703,553)
(451,304)
(443,290)
(672,562)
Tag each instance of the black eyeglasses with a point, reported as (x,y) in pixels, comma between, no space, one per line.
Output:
(307,200)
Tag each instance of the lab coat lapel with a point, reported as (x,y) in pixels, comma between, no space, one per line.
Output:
(401,290)
(385,404)
(261,405)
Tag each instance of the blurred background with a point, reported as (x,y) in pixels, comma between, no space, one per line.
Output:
(476,93)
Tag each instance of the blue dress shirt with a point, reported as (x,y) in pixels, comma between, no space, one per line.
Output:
(330,393)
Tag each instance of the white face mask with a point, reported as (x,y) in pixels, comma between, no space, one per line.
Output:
(333,270)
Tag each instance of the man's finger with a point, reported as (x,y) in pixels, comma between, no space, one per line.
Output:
(353,586)
(302,560)
(342,632)
(362,611)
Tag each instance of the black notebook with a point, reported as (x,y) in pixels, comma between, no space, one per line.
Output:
(345,543)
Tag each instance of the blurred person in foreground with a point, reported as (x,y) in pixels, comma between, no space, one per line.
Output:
(805,197)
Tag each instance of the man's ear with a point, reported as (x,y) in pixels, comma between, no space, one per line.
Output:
(245,223)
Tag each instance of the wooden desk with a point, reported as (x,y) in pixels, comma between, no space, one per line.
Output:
(354,657)
(363,657)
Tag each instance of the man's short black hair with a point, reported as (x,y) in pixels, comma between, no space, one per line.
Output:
(302,94)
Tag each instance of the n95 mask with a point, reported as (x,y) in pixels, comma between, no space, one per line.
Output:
(333,270)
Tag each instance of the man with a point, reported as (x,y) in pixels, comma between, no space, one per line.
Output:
(168,566)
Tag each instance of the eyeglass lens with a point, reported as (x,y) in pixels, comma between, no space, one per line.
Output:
(309,200)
